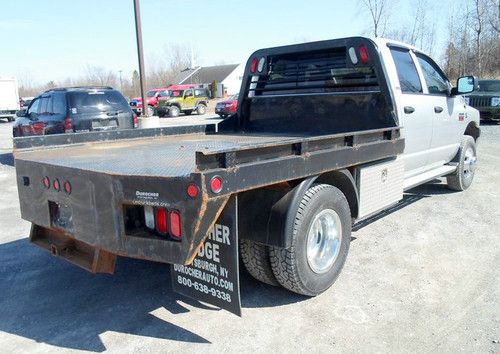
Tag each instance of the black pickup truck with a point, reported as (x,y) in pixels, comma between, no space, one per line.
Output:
(313,148)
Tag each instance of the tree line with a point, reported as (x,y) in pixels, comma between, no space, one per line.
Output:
(161,71)
(472,44)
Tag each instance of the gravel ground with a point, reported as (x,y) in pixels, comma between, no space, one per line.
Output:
(424,278)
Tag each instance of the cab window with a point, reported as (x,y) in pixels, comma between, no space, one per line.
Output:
(189,93)
(407,72)
(436,82)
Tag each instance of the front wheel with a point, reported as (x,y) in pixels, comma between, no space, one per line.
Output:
(467,162)
(320,242)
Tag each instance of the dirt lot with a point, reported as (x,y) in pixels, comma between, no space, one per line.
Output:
(425,278)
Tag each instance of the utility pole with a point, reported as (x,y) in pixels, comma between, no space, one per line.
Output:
(140,54)
(121,82)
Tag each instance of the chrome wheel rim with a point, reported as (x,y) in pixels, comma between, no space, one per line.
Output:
(470,163)
(323,241)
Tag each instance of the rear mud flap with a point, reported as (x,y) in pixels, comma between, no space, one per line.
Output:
(213,276)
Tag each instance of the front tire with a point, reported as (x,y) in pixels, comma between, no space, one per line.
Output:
(467,160)
(320,242)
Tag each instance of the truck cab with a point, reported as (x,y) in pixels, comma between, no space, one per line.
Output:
(433,116)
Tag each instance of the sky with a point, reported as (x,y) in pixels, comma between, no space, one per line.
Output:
(55,39)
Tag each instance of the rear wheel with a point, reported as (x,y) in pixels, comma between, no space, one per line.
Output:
(201,109)
(255,257)
(174,111)
(467,161)
(320,242)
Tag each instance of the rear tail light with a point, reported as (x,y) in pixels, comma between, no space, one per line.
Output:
(46,182)
(39,128)
(253,65)
(161,221)
(192,190)
(363,54)
(149,217)
(68,127)
(175,225)
(136,121)
(260,66)
(67,187)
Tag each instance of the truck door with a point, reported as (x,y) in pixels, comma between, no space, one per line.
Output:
(448,113)
(415,115)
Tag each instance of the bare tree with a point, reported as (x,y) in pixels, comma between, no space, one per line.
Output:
(100,76)
(379,11)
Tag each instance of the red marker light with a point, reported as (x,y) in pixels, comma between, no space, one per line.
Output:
(175,225)
(161,221)
(363,54)
(192,190)
(67,187)
(216,184)
(57,185)
(46,182)
(253,65)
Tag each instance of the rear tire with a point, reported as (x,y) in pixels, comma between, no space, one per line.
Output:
(320,242)
(467,160)
(201,109)
(174,111)
(255,257)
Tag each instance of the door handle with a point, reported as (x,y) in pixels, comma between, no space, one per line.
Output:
(438,109)
(409,110)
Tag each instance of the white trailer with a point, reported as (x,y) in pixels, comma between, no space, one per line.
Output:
(9,98)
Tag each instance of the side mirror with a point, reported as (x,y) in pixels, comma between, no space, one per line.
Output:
(465,84)
(22,113)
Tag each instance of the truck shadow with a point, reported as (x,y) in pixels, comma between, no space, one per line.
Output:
(7,159)
(49,301)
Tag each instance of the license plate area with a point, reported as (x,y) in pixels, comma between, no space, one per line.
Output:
(104,124)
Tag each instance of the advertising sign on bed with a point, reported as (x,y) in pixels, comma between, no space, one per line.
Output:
(213,277)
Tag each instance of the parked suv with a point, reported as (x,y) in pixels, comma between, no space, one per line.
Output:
(487,100)
(186,101)
(76,109)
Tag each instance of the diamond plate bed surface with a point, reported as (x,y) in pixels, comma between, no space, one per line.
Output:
(167,156)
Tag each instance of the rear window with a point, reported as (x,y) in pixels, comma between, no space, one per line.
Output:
(97,101)
(313,72)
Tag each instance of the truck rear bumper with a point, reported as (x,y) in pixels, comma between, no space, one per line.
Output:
(79,253)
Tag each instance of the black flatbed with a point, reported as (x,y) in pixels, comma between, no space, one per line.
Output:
(180,155)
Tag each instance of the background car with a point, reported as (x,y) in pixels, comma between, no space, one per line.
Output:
(76,109)
(227,107)
(486,100)
(24,102)
(152,97)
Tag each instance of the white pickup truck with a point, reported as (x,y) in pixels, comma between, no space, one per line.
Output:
(9,98)
(327,134)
